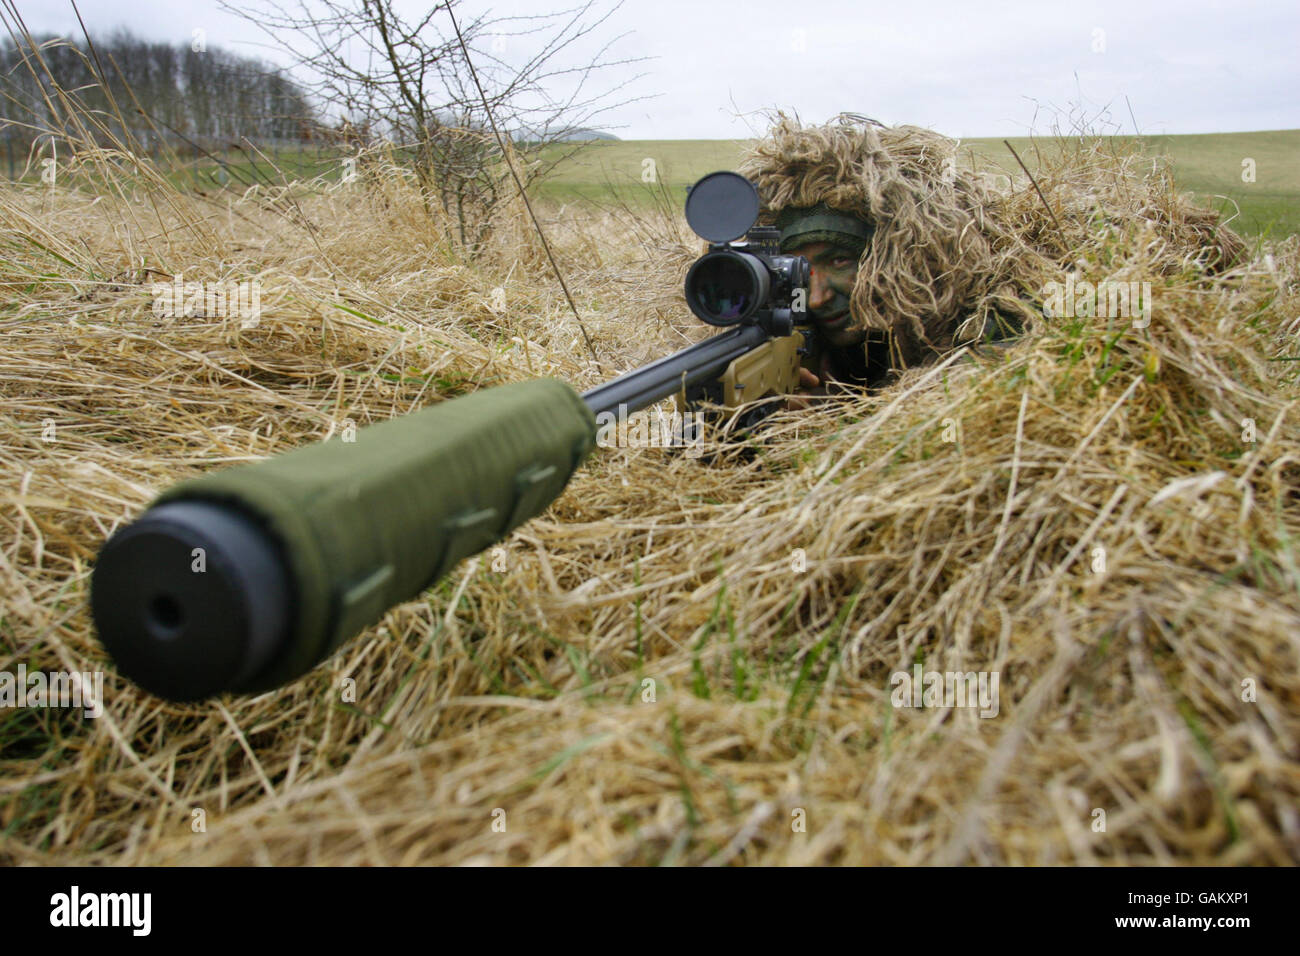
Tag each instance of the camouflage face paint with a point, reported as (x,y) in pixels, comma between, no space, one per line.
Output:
(834,272)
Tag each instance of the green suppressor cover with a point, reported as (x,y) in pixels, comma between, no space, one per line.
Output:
(365,524)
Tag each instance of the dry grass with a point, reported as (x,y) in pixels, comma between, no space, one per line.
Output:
(771,737)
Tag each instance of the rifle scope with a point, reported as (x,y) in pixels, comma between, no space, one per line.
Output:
(736,283)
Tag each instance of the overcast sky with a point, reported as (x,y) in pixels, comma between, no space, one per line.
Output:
(962,68)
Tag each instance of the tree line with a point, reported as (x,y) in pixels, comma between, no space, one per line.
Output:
(180,95)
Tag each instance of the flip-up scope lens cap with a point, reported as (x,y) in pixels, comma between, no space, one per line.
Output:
(722,206)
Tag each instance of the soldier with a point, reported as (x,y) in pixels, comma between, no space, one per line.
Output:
(841,348)
(908,260)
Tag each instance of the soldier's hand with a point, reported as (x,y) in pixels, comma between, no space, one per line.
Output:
(810,390)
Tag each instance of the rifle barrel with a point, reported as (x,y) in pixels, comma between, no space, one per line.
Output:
(696,363)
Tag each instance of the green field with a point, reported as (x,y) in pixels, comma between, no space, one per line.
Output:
(611,171)
(1209,165)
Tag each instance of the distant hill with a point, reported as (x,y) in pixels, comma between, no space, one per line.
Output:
(586,134)
(579,135)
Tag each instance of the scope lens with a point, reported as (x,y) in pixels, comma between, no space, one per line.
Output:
(722,290)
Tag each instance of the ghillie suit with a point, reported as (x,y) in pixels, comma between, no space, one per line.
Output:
(950,260)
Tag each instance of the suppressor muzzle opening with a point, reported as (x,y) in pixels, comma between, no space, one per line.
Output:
(192,600)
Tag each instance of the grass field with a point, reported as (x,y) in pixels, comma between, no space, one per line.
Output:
(1209,165)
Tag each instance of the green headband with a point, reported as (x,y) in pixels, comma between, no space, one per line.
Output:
(820,223)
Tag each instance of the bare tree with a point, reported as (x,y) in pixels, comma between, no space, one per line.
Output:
(407,81)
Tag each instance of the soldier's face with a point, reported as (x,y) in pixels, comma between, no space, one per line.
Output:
(834,271)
